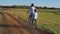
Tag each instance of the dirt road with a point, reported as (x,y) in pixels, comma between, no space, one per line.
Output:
(12,25)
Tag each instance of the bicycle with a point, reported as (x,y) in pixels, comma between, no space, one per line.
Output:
(31,23)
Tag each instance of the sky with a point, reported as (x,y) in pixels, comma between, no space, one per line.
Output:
(48,3)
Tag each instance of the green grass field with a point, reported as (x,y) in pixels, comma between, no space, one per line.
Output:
(47,19)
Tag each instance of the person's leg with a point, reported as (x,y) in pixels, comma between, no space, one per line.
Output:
(29,20)
(35,23)
(32,21)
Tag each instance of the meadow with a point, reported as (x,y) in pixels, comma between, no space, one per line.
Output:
(47,19)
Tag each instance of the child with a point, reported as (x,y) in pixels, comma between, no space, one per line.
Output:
(36,15)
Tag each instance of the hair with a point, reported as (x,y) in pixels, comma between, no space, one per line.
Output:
(35,10)
(32,4)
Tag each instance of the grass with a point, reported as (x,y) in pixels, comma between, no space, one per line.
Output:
(47,19)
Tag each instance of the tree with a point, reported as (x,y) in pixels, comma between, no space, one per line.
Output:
(45,7)
(0,6)
(40,7)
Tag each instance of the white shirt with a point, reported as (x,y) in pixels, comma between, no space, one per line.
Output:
(36,15)
(33,8)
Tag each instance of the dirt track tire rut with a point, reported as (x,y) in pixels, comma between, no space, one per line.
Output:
(16,26)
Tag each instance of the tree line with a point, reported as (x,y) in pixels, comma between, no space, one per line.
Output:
(26,7)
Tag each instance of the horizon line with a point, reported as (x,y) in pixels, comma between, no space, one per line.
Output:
(29,5)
